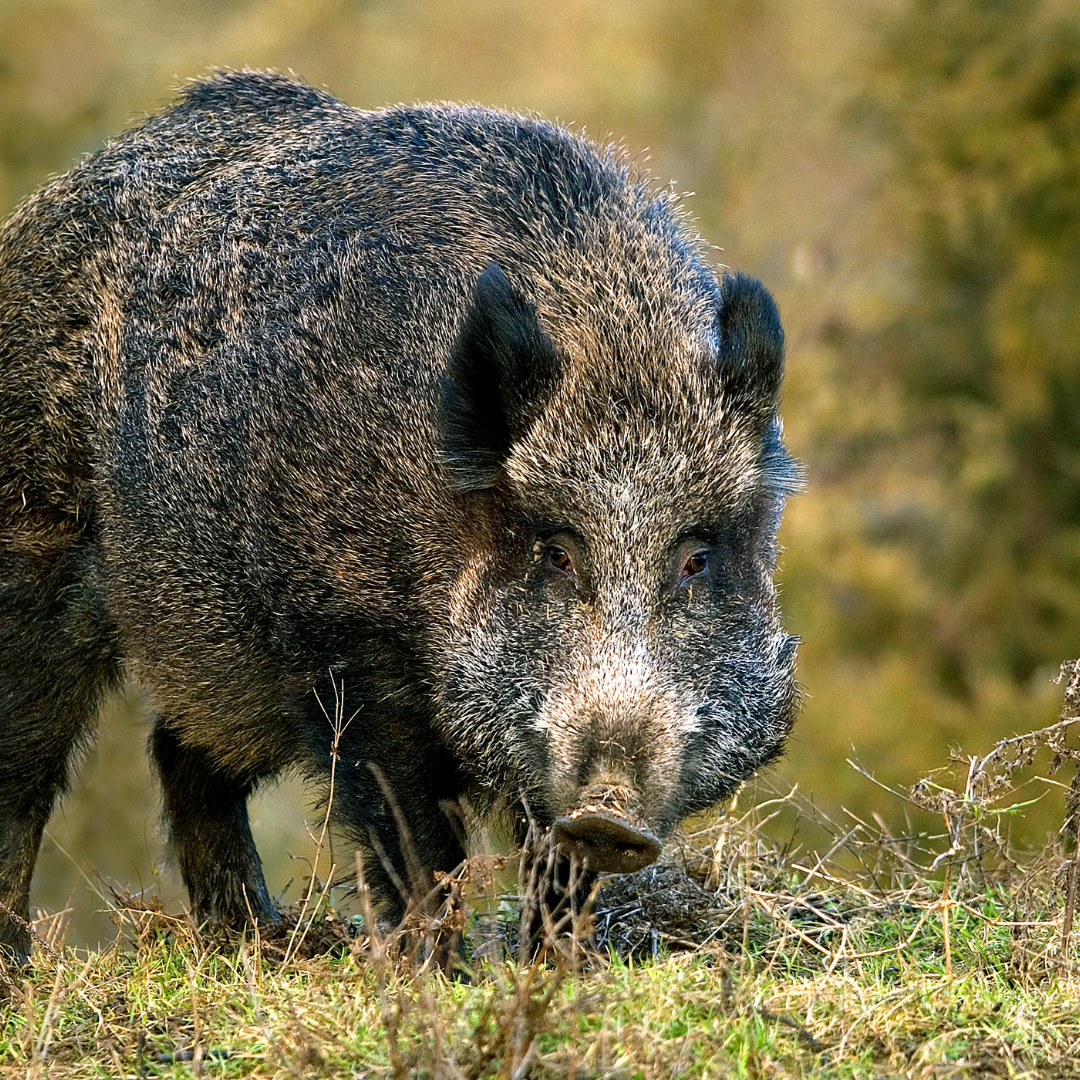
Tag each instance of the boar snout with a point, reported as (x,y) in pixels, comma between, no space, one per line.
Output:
(605,842)
(605,836)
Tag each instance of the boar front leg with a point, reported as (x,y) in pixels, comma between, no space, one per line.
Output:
(207,820)
(556,893)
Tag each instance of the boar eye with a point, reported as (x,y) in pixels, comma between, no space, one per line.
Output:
(559,559)
(696,564)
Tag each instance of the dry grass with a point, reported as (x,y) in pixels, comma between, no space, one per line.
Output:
(884,954)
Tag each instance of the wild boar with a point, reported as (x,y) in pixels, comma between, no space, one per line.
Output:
(434,416)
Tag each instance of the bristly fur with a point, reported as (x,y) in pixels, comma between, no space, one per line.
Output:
(437,409)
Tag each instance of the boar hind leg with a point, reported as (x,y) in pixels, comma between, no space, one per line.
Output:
(207,820)
(57,658)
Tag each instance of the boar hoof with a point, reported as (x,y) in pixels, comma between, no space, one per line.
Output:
(605,841)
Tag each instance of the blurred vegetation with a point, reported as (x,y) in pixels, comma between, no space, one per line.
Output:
(946,575)
(904,174)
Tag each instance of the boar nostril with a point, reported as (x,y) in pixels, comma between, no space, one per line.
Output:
(606,841)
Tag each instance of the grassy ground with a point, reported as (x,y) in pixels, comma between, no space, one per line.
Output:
(885,955)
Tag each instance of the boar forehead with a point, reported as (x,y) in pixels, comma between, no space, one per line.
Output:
(645,453)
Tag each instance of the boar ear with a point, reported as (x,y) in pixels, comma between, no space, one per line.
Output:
(751,356)
(750,345)
(501,369)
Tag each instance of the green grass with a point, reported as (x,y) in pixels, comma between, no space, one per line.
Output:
(803,977)
(913,955)
(879,995)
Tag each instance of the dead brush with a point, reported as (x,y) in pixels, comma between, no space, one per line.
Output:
(909,946)
(975,808)
(767,891)
(412,961)
(986,792)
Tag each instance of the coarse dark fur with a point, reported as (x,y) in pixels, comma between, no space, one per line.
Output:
(437,412)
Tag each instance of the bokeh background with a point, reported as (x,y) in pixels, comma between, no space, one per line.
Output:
(903,174)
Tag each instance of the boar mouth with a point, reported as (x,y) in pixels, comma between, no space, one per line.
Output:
(605,840)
